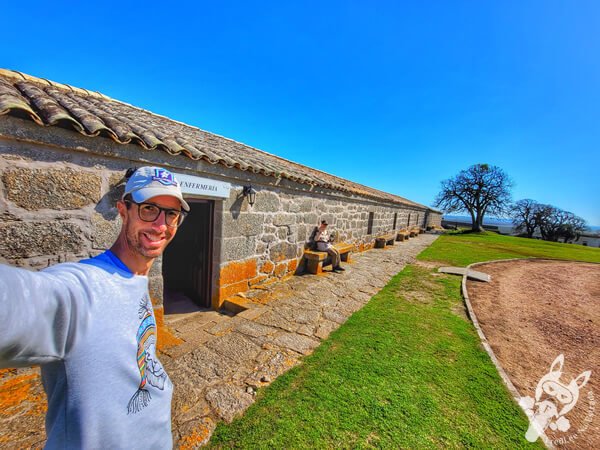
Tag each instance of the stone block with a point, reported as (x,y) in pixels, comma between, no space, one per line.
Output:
(234,201)
(228,401)
(261,248)
(155,289)
(295,342)
(269,229)
(292,265)
(268,238)
(232,289)
(284,219)
(292,207)
(283,251)
(282,233)
(59,189)
(235,347)
(156,268)
(280,270)
(335,316)
(274,319)
(116,187)
(267,202)
(257,280)
(207,364)
(254,329)
(310,219)
(238,248)
(306,205)
(246,224)
(29,239)
(105,232)
(301,233)
(325,328)
(267,267)
(237,271)
(273,364)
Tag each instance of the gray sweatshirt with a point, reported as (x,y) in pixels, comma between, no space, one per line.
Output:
(91,327)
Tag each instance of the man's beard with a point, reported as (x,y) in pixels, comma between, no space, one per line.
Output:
(134,242)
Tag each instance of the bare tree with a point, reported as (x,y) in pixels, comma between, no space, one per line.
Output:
(554,223)
(478,190)
(548,221)
(525,217)
(572,228)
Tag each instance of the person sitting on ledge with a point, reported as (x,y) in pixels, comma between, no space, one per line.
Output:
(323,241)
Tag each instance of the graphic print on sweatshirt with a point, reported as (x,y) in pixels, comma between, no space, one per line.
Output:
(151,370)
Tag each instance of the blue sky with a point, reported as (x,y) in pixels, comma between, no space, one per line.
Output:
(394,95)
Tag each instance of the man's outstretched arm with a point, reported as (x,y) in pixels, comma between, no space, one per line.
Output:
(41,314)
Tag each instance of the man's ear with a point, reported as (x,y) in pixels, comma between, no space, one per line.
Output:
(122,208)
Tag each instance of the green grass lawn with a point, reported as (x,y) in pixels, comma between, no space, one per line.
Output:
(462,249)
(406,371)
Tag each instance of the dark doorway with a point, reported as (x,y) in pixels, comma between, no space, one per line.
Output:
(370,223)
(186,266)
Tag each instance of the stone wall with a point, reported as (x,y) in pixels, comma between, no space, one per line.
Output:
(57,203)
(434,219)
(266,241)
(55,209)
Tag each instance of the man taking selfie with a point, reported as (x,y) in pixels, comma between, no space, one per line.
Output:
(90,326)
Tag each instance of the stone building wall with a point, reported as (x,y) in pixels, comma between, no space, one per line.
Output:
(57,203)
(53,212)
(267,240)
(434,219)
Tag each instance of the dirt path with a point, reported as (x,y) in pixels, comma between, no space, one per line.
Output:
(531,312)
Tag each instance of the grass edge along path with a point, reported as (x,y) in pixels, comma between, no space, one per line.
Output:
(406,371)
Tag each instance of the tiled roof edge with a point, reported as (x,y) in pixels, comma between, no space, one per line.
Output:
(339,184)
(23,76)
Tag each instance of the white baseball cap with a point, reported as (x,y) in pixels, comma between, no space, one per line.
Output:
(148,182)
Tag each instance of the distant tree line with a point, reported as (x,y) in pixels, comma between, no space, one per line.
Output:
(485,189)
(552,223)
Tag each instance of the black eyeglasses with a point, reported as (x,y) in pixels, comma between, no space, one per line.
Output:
(149,212)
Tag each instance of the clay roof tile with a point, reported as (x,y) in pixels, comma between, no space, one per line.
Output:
(93,114)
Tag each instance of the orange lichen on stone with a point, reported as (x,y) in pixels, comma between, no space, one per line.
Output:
(258,279)
(292,265)
(7,372)
(198,437)
(267,267)
(165,337)
(280,269)
(232,289)
(235,271)
(18,392)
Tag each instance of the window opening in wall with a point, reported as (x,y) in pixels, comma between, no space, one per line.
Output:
(395,220)
(370,223)
(417,224)
(187,261)
(408,221)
